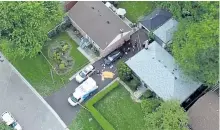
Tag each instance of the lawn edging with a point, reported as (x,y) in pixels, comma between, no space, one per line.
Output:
(96,114)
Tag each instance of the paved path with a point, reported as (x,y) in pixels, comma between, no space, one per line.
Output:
(24,104)
(58,101)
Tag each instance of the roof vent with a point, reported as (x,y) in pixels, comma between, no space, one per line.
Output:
(108,22)
(165,66)
(159,60)
(175,78)
(172,73)
(152,57)
(93,8)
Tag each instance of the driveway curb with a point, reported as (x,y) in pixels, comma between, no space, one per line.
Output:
(39,96)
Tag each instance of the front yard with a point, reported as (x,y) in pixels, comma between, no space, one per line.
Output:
(120,110)
(41,75)
(137,9)
(113,109)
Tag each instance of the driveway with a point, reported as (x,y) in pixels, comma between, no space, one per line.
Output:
(24,104)
(58,101)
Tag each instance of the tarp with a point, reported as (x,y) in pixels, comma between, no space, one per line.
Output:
(107,74)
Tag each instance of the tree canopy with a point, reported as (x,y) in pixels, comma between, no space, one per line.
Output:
(192,10)
(4,127)
(24,26)
(168,116)
(195,48)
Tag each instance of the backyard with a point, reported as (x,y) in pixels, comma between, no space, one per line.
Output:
(40,74)
(136,9)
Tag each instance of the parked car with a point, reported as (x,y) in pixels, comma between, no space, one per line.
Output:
(10,121)
(112,57)
(83,75)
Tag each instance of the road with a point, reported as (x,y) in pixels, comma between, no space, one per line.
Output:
(17,97)
(58,100)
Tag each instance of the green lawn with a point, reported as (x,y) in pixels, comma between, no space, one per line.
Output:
(38,72)
(137,9)
(121,111)
(84,121)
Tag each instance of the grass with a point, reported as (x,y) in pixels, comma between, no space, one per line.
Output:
(85,121)
(120,110)
(137,9)
(38,72)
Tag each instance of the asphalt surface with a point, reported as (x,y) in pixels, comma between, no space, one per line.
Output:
(58,100)
(18,99)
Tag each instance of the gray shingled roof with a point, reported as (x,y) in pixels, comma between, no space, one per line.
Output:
(157,18)
(157,68)
(165,32)
(97,21)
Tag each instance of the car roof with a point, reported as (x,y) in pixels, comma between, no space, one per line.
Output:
(8,118)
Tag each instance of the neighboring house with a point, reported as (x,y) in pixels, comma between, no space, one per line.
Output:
(158,70)
(102,27)
(204,114)
(164,34)
(68,5)
(154,20)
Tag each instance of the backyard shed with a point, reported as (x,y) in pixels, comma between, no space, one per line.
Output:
(164,34)
(154,20)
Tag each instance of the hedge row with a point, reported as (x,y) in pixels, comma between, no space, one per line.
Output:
(98,116)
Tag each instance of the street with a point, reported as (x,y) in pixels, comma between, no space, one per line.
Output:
(25,105)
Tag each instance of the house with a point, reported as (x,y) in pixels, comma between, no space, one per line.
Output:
(68,5)
(204,114)
(154,20)
(164,34)
(157,69)
(103,28)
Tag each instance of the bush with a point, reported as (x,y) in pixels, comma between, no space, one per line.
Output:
(65,47)
(134,83)
(148,94)
(150,105)
(62,66)
(98,116)
(124,72)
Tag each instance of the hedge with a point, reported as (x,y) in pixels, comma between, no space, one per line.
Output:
(98,116)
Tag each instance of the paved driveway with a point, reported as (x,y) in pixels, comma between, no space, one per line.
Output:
(58,101)
(17,98)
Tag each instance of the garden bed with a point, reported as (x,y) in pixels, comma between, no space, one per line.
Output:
(41,75)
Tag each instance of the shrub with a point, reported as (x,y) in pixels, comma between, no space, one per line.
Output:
(98,116)
(134,83)
(65,47)
(150,105)
(62,66)
(148,94)
(124,72)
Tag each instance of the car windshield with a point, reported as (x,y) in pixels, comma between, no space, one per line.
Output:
(74,99)
(13,124)
(110,58)
(82,74)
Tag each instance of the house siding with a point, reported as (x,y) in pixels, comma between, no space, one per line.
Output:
(116,45)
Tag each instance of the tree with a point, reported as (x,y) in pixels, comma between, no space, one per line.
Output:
(4,127)
(195,48)
(192,10)
(24,26)
(168,116)
(124,72)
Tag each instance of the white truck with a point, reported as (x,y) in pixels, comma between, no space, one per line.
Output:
(84,90)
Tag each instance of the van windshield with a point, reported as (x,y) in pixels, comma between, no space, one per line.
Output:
(74,99)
